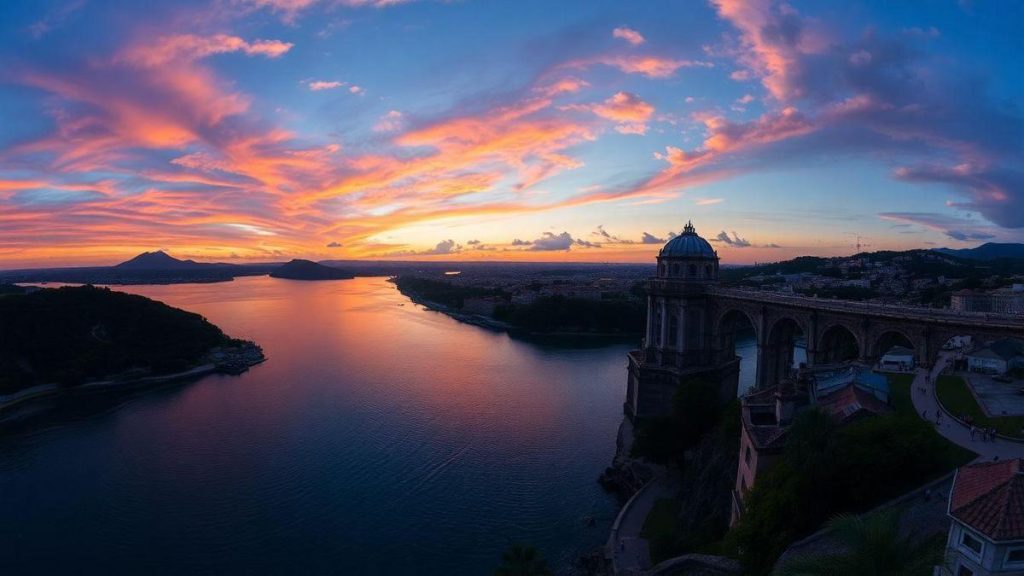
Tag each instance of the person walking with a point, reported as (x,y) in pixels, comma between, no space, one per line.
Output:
(972,433)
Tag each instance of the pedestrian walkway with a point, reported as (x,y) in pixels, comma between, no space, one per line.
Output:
(631,553)
(927,403)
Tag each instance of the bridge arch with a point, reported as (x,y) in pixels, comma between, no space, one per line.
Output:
(777,356)
(888,339)
(733,325)
(838,343)
(732,317)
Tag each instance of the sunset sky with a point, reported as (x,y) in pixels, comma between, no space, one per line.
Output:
(247,130)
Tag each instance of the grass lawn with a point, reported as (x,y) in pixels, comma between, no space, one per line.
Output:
(900,396)
(660,529)
(900,393)
(956,398)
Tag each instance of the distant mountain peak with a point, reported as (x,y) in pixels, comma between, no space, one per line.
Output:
(156,260)
(987,251)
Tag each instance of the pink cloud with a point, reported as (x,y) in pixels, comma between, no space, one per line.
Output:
(627,110)
(563,86)
(390,122)
(318,85)
(288,9)
(629,35)
(372,3)
(773,37)
(650,66)
(190,47)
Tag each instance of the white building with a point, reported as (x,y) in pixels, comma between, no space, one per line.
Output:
(997,357)
(897,359)
(1006,301)
(958,343)
(986,505)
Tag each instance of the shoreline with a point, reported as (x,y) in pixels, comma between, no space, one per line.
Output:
(47,391)
(511,329)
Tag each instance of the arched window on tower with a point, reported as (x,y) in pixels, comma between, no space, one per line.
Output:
(673,328)
(675,269)
(708,271)
(661,270)
(692,270)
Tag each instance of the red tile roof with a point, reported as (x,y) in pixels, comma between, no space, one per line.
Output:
(989,497)
(852,401)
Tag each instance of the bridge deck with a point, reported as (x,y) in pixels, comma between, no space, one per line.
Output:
(900,311)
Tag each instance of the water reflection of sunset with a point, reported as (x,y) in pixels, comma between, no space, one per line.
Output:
(381,424)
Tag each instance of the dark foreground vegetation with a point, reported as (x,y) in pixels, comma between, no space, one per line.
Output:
(700,440)
(72,335)
(825,471)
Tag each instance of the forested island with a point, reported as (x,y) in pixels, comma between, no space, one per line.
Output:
(308,270)
(67,337)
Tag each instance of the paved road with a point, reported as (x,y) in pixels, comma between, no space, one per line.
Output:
(954,431)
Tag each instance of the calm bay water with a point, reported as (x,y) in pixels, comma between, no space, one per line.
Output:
(378,438)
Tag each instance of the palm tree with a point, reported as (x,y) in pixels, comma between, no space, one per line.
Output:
(522,560)
(872,544)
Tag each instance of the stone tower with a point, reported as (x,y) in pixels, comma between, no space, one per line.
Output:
(678,345)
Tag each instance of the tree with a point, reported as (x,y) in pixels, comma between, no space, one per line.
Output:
(825,471)
(520,560)
(695,411)
(873,545)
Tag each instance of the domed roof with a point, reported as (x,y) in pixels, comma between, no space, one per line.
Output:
(688,245)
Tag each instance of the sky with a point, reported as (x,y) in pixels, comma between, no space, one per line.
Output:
(259,130)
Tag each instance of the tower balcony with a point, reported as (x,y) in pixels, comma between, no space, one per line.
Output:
(676,287)
(670,359)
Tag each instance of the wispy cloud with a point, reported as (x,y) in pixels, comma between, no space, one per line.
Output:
(955,228)
(629,35)
(55,18)
(318,85)
(390,122)
(628,111)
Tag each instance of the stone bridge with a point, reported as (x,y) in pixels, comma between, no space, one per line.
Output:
(837,330)
(693,322)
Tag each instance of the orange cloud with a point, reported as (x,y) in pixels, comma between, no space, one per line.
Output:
(628,110)
(563,86)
